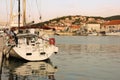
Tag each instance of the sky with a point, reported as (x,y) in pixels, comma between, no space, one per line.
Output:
(49,9)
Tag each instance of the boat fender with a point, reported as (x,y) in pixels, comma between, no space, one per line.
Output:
(52,41)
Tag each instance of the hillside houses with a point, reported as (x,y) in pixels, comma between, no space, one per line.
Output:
(75,23)
(86,24)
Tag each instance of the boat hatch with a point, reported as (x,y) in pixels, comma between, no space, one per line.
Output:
(28,54)
(42,53)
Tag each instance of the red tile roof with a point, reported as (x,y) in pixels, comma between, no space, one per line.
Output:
(75,27)
(113,22)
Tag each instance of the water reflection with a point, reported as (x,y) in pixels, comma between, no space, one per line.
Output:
(89,48)
(20,70)
(89,61)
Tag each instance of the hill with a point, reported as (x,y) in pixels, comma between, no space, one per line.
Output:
(77,19)
(116,17)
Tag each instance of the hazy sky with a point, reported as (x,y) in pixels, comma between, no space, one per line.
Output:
(50,9)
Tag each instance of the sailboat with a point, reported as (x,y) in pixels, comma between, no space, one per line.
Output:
(26,44)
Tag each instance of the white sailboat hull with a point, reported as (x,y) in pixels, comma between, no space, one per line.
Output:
(34,51)
(32,54)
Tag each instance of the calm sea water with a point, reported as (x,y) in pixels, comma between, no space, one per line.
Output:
(79,58)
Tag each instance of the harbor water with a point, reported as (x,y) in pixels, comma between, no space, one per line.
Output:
(79,58)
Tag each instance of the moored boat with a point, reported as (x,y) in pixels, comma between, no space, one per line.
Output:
(31,47)
(26,44)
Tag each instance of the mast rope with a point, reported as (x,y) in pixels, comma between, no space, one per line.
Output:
(39,12)
(11,14)
(29,9)
(7,12)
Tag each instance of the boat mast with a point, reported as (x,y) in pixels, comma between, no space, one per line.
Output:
(24,12)
(18,15)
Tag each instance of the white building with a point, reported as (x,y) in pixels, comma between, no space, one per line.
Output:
(93,27)
(112,26)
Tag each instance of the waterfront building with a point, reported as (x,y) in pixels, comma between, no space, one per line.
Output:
(93,27)
(112,26)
